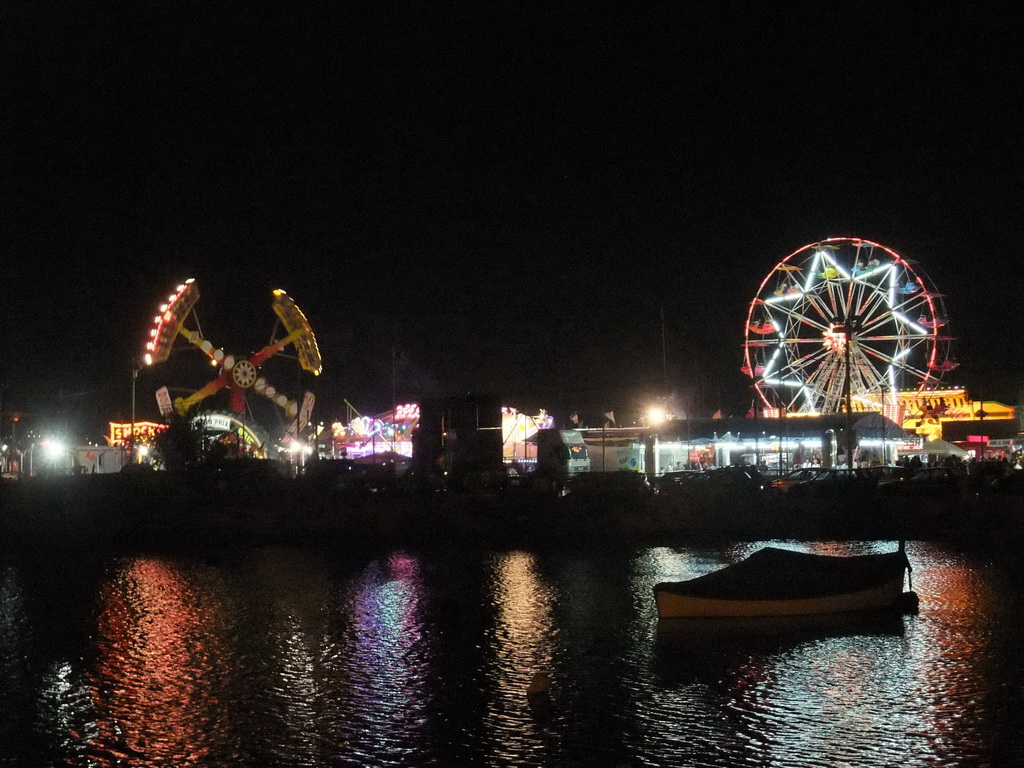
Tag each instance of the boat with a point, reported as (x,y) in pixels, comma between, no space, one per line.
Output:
(783,582)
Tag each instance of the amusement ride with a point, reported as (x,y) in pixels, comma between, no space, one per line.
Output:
(238,373)
(844,323)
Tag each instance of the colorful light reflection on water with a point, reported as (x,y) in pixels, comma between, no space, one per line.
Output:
(285,657)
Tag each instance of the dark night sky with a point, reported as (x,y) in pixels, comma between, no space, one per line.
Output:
(506,196)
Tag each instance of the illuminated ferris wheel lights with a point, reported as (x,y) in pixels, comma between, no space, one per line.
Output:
(907,321)
(812,271)
(862,276)
(785,297)
(851,304)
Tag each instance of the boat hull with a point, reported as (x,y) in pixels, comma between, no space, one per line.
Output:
(880,597)
(781,582)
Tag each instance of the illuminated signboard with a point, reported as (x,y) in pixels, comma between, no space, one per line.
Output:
(409,412)
(145,431)
(227,422)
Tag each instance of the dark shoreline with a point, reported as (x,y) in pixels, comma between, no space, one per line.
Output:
(157,511)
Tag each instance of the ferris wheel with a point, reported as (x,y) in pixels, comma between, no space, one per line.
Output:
(844,312)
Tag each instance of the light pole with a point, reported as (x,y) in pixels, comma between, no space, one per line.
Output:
(131,439)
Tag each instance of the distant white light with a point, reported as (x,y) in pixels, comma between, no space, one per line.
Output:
(54,448)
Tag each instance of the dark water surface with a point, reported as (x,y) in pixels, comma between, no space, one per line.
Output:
(291,657)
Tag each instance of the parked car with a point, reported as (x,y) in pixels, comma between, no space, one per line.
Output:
(671,481)
(886,472)
(623,485)
(929,482)
(801,475)
(726,484)
(836,484)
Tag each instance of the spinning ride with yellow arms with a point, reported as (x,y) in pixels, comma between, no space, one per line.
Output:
(240,374)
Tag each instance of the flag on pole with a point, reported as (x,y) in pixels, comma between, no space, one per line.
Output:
(717,414)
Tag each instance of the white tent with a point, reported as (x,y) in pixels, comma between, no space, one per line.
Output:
(942,448)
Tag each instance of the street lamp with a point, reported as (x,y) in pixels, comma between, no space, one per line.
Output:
(656,415)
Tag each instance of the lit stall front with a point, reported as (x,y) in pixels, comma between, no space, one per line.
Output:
(518,435)
(389,435)
(384,437)
(772,444)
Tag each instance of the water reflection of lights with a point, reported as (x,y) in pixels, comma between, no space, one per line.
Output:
(151,686)
(836,693)
(65,708)
(389,663)
(954,637)
(409,659)
(522,644)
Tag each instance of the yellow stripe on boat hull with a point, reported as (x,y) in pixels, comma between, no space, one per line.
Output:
(885,595)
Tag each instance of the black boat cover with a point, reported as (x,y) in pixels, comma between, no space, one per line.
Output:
(782,574)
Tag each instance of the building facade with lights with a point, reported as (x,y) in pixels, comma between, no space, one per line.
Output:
(773,444)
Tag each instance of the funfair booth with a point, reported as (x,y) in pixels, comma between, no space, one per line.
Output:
(388,436)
